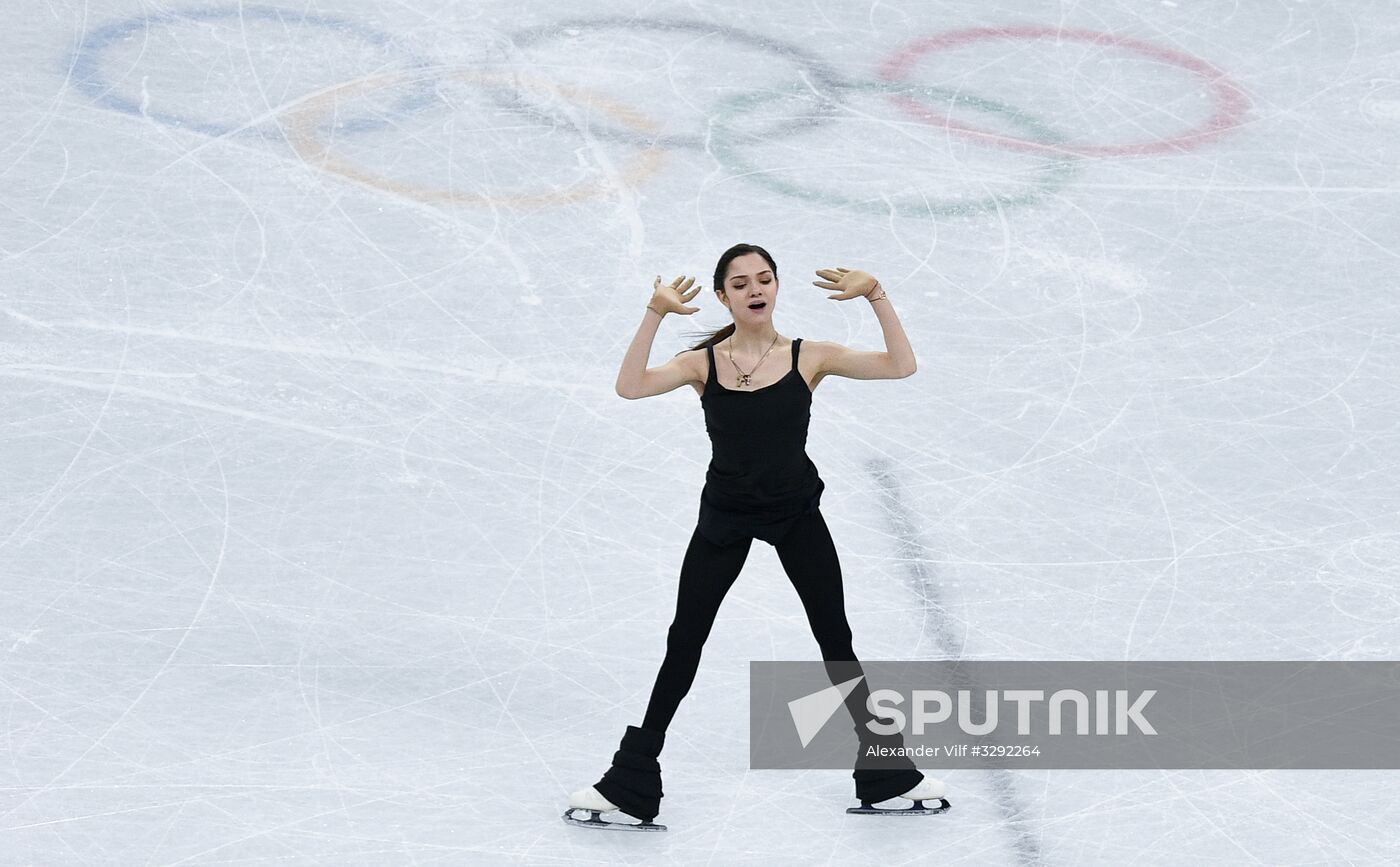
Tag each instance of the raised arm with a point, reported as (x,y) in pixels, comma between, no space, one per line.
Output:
(634,379)
(895,362)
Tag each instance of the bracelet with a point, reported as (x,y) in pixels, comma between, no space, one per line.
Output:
(873,298)
(657,312)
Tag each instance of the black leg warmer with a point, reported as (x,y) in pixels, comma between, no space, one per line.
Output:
(634,780)
(886,777)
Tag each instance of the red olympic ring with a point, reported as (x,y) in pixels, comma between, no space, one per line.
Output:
(1231,104)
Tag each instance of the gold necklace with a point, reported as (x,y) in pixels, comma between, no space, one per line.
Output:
(743,378)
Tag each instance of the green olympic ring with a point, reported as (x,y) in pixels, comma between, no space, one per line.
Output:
(1048,177)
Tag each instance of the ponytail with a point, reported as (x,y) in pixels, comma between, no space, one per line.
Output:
(710,338)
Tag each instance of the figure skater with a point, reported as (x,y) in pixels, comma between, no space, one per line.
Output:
(760,484)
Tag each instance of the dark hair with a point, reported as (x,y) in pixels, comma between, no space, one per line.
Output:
(710,338)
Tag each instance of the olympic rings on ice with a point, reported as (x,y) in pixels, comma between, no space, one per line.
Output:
(822,98)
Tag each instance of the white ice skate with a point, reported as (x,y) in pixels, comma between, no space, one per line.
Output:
(595,804)
(929,789)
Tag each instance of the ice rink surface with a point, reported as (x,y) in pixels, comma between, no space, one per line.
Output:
(327,541)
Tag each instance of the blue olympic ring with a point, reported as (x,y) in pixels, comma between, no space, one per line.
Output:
(87,68)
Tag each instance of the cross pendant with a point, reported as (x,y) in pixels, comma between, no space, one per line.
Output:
(743,379)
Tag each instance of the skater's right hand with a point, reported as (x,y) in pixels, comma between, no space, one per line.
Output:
(672,297)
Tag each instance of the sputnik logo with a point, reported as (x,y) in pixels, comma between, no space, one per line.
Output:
(810,712)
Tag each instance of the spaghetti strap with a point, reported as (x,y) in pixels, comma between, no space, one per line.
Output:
(797,342)
(710,353)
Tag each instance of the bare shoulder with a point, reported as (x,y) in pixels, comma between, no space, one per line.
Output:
(817,357)
(812,361)
(816,353)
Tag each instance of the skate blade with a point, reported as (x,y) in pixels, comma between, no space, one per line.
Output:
(595,820)
(868,809)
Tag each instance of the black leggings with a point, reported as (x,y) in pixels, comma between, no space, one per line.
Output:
(808,556)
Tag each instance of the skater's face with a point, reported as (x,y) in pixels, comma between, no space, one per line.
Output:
(750,288)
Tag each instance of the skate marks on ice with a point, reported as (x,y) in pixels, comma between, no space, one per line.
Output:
(916,560)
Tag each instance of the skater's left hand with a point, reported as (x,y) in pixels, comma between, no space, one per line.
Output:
(851,284)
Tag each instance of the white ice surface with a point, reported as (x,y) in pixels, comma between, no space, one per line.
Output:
(324,538)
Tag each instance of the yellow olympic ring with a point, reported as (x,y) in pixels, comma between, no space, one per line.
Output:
(303,122)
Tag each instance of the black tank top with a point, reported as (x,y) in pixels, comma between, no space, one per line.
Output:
(760,479)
